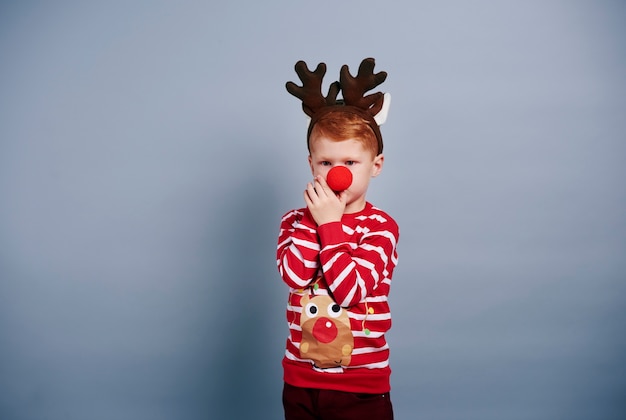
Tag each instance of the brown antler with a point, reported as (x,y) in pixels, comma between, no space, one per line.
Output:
(311,91)
(354,88)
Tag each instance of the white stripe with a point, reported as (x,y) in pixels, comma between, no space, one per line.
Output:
(377,299)
(372,334)
(364,230)
(285,242)
(362,286)
(371,267)
(293,357)
(379,250)
(341,277)
(330,262)
(333,246)
(296,253)
(307,244)
(297,309)
(328,370)
(347,229)
(378,217)
(293,276)
(384,234)
(371,317)
(291,213)
(378,365)
(367,350)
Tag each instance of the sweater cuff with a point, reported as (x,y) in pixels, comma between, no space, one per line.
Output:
(331,233)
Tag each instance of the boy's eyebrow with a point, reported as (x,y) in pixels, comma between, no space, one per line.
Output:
(339,158)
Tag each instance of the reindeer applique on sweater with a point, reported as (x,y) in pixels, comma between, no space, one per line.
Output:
(326,335)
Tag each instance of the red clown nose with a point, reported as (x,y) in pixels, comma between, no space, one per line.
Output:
(339,178)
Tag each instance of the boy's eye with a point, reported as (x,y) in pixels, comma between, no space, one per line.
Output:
(325,163)
(350,163)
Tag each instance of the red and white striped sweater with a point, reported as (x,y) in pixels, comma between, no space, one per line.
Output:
(339,276)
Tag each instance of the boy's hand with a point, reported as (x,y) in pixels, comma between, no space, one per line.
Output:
(325,206)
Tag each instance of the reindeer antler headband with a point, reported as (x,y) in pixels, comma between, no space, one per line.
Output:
(373,108)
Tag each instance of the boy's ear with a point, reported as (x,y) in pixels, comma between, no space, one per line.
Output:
(378,165)
(311,163)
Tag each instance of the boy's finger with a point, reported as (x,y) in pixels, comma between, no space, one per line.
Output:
(323,185)
(322,181)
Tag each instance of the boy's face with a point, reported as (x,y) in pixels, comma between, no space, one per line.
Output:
(326,153)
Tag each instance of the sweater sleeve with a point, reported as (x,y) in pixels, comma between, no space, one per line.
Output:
(351,271)
(298,249)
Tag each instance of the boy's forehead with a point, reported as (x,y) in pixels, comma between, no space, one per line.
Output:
(324,146)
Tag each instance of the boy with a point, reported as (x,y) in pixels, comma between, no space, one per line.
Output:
(337,256)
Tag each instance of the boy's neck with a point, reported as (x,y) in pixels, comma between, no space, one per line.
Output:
(356,207)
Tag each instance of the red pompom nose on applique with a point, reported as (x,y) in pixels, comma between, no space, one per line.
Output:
(324,330)
(339,178)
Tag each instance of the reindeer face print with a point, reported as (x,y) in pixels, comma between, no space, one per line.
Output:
(326,335)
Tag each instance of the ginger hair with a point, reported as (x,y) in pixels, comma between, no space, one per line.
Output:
(340,126)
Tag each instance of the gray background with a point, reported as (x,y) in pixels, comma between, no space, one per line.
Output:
(149,148)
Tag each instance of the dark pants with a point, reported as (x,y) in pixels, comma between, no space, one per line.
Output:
(323,404)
